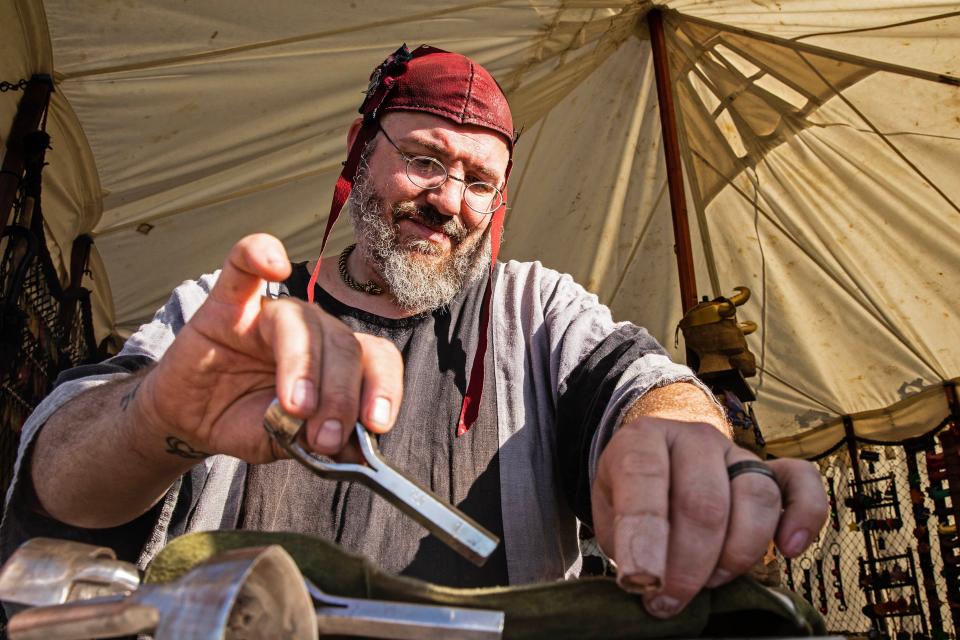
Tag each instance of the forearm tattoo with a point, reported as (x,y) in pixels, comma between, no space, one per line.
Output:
(175,446)
(181,448)
(129,396)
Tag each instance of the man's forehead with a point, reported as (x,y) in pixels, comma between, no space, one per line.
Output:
(485,149)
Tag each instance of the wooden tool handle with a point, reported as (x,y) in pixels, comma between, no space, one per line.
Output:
(104,618)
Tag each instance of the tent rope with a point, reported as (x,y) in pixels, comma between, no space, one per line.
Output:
(879,133)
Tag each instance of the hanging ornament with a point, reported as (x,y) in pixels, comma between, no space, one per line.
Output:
(914,479)
(898,575)
(807,582)
(837,577)
(821,584)
(871,458)
(832,497)
(789,569)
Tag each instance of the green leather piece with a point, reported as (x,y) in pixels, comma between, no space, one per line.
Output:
(585,608)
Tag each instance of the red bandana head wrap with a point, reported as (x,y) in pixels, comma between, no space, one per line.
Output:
(454,87)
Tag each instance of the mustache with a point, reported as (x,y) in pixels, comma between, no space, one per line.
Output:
(428,215)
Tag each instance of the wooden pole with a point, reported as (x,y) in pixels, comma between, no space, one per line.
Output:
(671,149)
(30,111)
(79,258)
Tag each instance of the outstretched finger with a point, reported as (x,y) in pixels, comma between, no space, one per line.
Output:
(252,260)
(804,504)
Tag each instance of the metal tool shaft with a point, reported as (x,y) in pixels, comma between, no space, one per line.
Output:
(449,524)
(106,617)
(402,621)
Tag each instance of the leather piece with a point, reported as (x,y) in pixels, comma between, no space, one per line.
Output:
(585,608)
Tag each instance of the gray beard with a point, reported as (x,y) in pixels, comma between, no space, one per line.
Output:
(415,284)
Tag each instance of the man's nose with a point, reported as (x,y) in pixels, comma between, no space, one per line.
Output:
(447,199)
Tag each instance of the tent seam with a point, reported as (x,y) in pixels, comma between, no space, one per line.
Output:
(281,41)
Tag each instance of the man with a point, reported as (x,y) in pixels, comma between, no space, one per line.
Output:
(507,390)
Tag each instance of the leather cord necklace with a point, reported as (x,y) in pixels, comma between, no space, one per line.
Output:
(371,287)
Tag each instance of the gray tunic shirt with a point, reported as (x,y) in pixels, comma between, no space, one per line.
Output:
(564,374)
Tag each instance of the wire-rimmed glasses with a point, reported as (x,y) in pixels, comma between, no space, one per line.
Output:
(426,172)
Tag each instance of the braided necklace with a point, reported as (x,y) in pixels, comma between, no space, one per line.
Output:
(371,287)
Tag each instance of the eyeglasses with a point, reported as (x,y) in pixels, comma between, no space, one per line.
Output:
(426,172)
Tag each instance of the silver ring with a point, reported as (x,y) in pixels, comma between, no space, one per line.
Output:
(750,466)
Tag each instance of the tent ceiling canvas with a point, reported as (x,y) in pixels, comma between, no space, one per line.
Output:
(821,142)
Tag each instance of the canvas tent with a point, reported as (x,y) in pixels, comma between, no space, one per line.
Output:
(820,140)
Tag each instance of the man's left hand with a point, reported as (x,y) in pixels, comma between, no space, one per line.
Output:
(667,513)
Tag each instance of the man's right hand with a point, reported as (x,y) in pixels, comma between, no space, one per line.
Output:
(116,448)
(240,350)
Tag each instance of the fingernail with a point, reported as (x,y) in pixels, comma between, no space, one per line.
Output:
(720,576)
(328,437)
(640,583)
(663,606)
(640,552)
(381,411)
(797,542)
(304,395)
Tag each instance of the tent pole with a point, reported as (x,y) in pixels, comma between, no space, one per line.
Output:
(32,105)
(671,149)
(79,259)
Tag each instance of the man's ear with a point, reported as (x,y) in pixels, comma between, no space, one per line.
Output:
(353,132)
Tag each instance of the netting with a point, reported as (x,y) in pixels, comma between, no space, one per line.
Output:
(885,565)
(43,330)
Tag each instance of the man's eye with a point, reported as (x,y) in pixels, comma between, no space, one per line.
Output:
(483,188)
(423,164)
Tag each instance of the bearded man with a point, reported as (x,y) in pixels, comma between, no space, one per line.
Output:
(523,403)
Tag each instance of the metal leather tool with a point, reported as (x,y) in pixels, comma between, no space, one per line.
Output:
(402,621)
(449,524)
(45,571)
(244,594)
(53,571)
